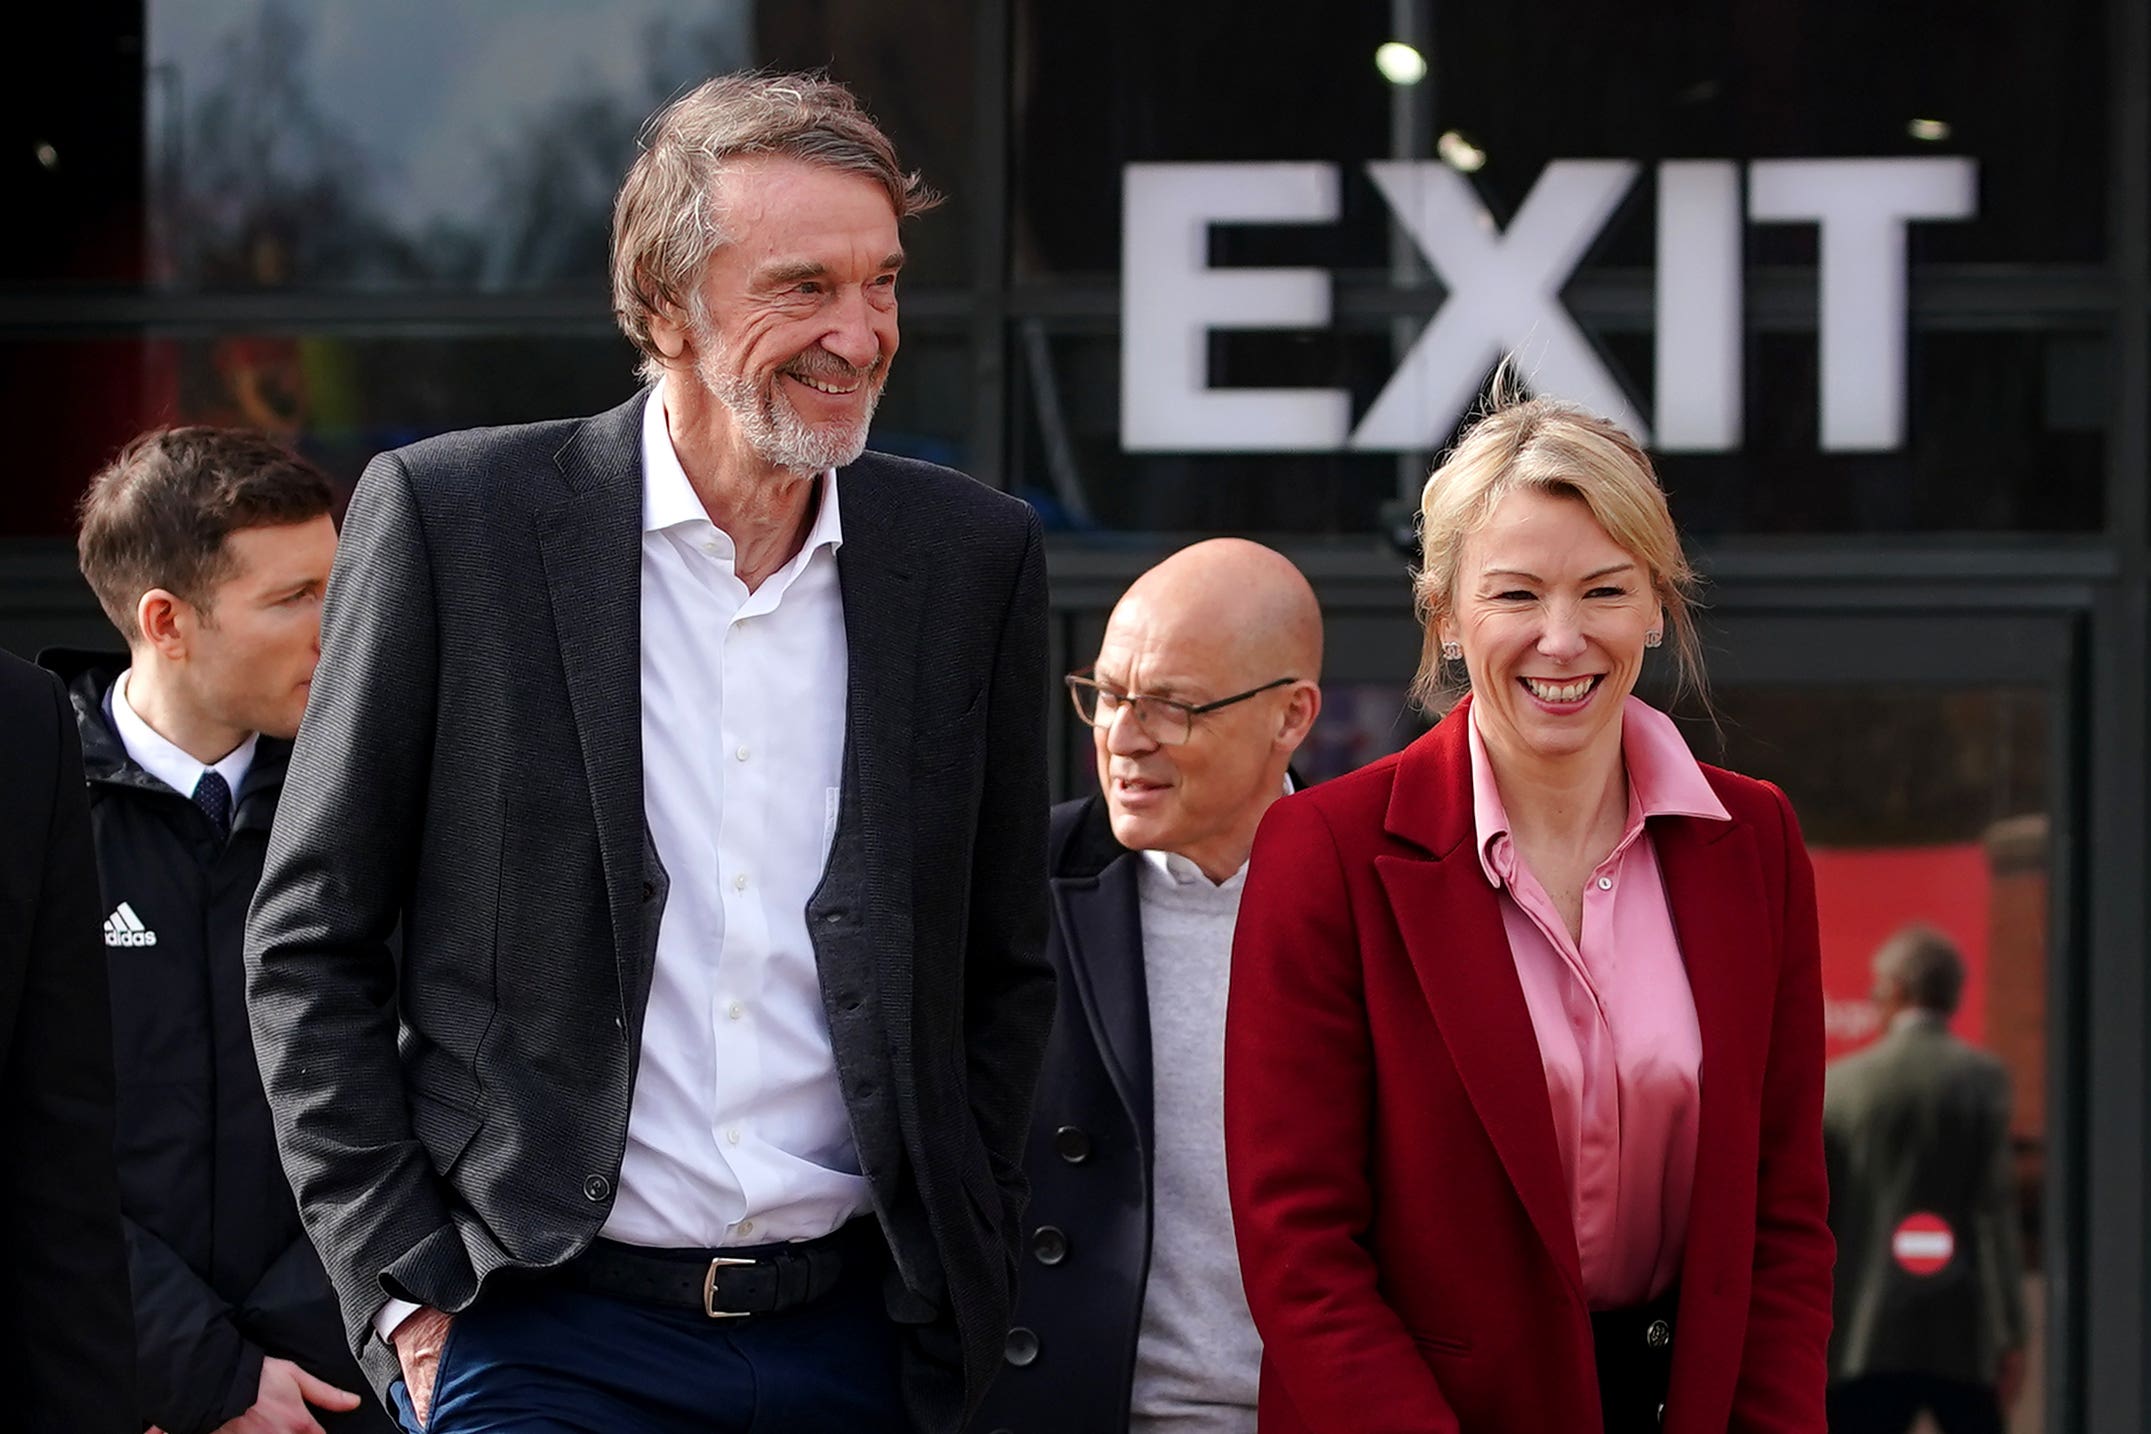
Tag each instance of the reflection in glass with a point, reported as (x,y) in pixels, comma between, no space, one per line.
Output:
(341,399)
(475,146)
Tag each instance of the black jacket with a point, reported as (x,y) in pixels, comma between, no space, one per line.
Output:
(64,1331)
(1070,1357)
(471,768)
(222,1271)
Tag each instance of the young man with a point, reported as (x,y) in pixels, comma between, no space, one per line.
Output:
(1131,1315)
(209,550)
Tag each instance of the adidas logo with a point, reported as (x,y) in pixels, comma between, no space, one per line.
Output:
(124,928)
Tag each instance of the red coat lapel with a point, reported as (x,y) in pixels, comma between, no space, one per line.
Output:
(1451,924)
(1722,917)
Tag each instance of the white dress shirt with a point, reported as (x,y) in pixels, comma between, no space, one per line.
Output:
(156,755)
(738,1134)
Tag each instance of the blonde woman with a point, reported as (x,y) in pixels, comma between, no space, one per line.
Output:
(1524,1049)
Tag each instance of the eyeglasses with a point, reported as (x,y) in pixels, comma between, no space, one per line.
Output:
(1168,722)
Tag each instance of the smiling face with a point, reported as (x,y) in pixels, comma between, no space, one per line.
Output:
(798,321)
(1552,616)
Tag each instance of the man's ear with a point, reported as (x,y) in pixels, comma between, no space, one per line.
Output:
(1299,715)
(669,334)
(163,619)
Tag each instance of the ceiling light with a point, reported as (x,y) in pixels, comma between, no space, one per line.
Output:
(1400,64)
(1459,153)
(1933,131)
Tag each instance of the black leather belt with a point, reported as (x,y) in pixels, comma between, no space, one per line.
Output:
(728,1283)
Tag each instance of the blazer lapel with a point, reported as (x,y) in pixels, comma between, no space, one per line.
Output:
(1720,911)
(1450,919)
(591,546)
(883,604)
(1101,925)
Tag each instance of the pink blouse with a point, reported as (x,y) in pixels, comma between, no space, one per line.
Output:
(1614,1017)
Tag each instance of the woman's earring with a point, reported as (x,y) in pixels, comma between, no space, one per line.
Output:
(1453,651)
(1653,637)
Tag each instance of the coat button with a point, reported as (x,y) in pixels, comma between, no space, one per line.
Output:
(1049,1244)
(597,1189)
(1659,1335)
(1071,1144)
(1022,1346)
(649,890)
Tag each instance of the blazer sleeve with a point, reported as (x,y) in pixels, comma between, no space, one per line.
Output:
(197,1371)
(66,1316)
(1299,1116)
(292,1310)
(321,976)
(1783,1369)
(1009,994)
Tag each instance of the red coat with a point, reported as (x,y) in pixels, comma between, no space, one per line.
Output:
(1404,1232)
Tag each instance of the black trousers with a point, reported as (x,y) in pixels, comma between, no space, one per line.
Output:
(1635,1364)
(1888,1403)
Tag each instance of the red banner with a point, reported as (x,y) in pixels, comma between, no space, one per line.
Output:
(1864,895)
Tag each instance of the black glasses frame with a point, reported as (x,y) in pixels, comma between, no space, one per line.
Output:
(1085,681)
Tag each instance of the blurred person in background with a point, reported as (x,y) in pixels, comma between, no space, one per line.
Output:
(1930,1285)
(67,1355)
(699,755)
(1131,1315)
(209,549)
(1523,1059)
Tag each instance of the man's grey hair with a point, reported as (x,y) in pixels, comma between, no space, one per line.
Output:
(667,221)
(1925,965)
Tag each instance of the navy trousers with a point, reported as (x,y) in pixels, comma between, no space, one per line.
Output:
(552,1360)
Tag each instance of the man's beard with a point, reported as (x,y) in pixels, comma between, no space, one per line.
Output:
(766,419)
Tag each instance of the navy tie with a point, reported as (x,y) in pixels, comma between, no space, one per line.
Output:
(214,796)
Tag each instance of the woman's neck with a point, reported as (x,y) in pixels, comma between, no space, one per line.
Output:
(1565,802)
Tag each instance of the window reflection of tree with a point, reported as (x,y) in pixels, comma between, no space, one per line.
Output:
(256,153)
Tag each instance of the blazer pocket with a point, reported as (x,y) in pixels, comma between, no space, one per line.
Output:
(945,721)
(443,1127)
(948,749)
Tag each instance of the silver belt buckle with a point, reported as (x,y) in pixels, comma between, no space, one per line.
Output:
(709,1289)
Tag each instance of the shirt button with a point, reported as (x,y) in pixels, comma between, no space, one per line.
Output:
(741,753)
(1605,883)
(746,1227)
(710,547)
(739,882)
(735,1010)
(732,1136)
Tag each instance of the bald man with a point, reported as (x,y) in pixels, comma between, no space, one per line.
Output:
(1131,1315)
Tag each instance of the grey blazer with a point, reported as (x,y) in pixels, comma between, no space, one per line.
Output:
(1918,1122)
(469,776)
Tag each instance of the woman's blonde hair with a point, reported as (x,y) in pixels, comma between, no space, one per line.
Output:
(1544,445)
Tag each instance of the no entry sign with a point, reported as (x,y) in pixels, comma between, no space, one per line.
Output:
(1923,1243)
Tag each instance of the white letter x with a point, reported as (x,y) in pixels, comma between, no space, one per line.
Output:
(1504,289)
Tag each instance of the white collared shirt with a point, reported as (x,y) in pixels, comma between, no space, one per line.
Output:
(738,1134)
(156,755)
